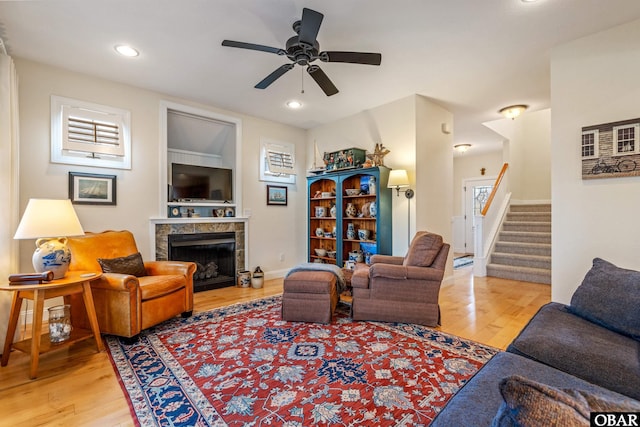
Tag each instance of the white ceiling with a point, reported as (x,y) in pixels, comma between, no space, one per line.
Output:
(471,56)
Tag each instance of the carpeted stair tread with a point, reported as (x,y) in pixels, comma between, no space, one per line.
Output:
(526,226)
(543,249)
(525,274)
(529,216)
(521,260)
(537,207)
(525,236)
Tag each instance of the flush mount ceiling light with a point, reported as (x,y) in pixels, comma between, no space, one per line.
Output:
(513,111)
(528,1)
(126,50)
(293,104)
(461,148)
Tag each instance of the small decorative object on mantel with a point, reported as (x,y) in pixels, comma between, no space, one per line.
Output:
(611,150)
(377,158)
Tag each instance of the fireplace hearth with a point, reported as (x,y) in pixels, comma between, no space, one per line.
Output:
(213,253)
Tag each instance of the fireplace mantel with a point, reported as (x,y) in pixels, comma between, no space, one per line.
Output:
(159,228)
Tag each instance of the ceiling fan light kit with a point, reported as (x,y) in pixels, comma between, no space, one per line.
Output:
(303,49)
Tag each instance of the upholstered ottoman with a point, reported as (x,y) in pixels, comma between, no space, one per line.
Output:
(309,296)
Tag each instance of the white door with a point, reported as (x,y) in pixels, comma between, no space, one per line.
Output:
(475,193)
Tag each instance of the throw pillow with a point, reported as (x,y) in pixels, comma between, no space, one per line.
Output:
(423,250)
(131,264)
(610,297)
(527,402)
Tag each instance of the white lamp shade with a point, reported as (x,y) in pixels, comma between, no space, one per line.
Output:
(398,178)
(48,218)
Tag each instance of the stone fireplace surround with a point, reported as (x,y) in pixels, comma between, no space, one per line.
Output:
(162,227)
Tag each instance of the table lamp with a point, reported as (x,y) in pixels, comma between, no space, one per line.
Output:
(50,221)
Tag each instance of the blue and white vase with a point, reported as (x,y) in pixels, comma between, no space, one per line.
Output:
(351,231)
(373,210)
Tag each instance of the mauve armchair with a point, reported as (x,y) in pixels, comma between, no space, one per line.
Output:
(402,289)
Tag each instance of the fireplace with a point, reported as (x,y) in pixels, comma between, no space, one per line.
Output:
(213,253)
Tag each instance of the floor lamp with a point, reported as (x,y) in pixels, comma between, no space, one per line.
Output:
(398,179)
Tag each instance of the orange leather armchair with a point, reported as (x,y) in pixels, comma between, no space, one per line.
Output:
(126,304)
(402,289)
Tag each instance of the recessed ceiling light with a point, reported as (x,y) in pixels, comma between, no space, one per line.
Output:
(126,50)
(528,1)
(293,104)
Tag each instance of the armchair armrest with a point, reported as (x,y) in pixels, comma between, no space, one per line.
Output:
(400,272)
(116,282)
(387,259)
(158,268)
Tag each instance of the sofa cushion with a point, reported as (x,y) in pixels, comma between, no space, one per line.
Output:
(528,402)
(130,264)
(610,296)
(480,399)
(423,250)
(558,338)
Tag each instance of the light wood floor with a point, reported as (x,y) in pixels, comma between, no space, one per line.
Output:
(77,386)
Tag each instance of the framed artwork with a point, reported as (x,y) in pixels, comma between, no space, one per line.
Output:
(92,189)
(276,195)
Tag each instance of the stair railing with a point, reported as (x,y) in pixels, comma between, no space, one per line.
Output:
(487,224)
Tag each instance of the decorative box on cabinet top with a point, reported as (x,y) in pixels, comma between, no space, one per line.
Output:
(348,158)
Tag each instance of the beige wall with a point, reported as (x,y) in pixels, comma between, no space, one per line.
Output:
(274,230)
(594,80)
(434,169)
(528,152)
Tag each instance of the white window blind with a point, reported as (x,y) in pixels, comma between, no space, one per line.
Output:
(280,162)
(277,161)
(84,133)
(92,132)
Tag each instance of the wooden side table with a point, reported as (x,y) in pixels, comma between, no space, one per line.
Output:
(73,283)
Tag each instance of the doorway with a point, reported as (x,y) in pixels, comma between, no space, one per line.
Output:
(475,193)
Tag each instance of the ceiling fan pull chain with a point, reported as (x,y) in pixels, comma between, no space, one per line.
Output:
(302,80)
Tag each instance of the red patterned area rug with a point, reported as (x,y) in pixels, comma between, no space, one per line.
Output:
(243,366)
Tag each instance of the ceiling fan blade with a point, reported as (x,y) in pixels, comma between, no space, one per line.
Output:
(351,57)
(251,46)
(323,81)
(279,72)
(309,26)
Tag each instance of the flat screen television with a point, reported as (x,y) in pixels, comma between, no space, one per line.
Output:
(203,183)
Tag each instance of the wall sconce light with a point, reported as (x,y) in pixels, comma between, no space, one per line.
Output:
(398,179)
(50,221)
(461,148)
(513,111)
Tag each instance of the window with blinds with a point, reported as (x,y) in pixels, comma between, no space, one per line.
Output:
(277,163)
(90,134)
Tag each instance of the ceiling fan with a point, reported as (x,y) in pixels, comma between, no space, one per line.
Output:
(303,49)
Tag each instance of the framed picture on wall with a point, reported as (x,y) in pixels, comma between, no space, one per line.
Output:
(276,195)
(92,189)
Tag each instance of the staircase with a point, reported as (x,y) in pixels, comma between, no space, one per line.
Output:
(523,249)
